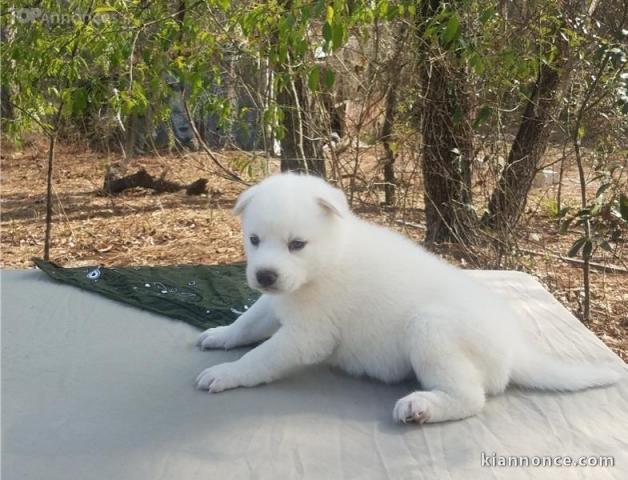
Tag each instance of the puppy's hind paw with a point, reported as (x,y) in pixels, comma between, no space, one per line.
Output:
(413,408)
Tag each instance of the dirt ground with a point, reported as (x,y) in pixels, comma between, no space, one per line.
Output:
(140,228)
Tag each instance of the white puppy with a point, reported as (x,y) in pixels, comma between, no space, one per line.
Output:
(337,289)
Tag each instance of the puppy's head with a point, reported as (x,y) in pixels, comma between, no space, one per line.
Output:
(292,228)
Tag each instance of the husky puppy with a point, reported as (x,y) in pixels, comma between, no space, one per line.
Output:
(358,296)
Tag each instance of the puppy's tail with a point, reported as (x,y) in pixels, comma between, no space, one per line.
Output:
(545,372)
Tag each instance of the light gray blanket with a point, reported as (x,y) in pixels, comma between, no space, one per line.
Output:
(92,389)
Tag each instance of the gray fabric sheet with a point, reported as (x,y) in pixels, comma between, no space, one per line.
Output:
(92,389)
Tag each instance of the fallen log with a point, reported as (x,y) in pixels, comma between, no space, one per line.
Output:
(114,184)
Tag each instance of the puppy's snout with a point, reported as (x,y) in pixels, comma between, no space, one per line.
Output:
(266,278)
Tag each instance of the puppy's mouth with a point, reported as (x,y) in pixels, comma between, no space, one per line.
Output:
(270,290)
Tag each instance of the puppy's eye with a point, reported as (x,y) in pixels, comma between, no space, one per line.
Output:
(254,240)
(295,245)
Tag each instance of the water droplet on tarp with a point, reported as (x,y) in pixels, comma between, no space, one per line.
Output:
(94,274)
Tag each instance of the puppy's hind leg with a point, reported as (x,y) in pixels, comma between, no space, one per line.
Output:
(453,389)
(256,324)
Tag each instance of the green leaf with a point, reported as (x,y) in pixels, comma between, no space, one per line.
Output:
(314,78)
(79,100)
(104,9)
(329,17)
(327,32)
(584,212)
(602,189)
(328,78)
(477,62)
(383,9)
(394,11)
(581,132)
(575,248)
(596,209)
(482,116)
(605,245)
(564,226)
(487,15)
(452,31)
(338,34)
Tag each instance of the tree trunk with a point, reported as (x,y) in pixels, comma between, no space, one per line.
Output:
(509,198)
(301,149)
(394,69)
(389,160)
(135,136)
(52,140)
(6,105)
(447,154)
(447,141)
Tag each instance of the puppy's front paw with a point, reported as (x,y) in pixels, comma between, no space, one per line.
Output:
(413,408)
(218,378)
(218,337)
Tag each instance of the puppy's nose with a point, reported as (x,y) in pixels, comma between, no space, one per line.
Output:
(266,277)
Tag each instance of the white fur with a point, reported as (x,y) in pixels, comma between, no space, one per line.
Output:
(370,301)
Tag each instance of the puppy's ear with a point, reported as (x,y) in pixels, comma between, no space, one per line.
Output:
(333,202)
(243,200)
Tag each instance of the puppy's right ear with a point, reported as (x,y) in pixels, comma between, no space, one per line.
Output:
(333,201)
(243,200)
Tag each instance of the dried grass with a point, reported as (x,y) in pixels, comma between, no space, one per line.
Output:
(141,228)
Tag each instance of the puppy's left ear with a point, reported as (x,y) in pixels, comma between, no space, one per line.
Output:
(243,200)
(333,202)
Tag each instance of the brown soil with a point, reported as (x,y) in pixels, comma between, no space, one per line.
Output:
(142,228)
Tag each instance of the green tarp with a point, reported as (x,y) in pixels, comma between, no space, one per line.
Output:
(201,295)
